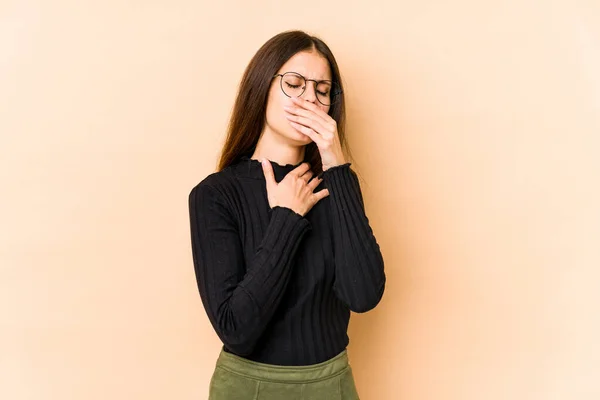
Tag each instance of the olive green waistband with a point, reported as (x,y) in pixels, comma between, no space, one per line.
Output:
(283,373)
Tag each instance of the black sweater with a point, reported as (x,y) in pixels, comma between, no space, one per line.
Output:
(278,287)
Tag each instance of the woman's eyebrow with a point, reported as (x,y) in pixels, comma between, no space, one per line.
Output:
(307,77)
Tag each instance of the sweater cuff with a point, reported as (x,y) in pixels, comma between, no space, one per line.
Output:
(344,189)
(341,180)
(337,168)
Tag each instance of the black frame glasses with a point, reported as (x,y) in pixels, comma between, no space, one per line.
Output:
(335,90)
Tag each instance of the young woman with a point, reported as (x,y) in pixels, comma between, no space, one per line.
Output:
(282,248)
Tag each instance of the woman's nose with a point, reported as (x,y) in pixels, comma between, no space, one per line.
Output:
(310,93)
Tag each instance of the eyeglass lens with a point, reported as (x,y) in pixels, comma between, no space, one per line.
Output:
(294,85)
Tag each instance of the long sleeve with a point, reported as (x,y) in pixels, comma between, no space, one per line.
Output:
(240,299)
(359,267)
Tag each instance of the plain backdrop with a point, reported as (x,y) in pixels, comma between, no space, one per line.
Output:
(475,132)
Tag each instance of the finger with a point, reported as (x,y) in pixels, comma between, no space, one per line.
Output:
(303,112)
(312,107)
(301,169)
(268,171)
(321,194)
(309,122)
(318,139)
(312,185)
(306,176)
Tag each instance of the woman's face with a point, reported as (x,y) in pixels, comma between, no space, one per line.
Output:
(309,64)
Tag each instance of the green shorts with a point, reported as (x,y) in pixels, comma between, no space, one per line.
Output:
(236,378)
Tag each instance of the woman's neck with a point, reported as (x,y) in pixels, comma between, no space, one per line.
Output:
(278,152)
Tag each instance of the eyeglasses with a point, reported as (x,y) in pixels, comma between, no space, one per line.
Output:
(293,85)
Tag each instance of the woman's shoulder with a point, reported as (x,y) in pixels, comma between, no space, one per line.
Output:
(213,182)
(220,184)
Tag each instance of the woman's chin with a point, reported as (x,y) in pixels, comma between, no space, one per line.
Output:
(295,136)
(301,137)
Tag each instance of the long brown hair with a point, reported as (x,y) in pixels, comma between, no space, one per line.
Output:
(248,115)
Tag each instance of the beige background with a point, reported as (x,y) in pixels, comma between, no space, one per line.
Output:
(475,128)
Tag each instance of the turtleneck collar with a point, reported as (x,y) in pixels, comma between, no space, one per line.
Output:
(252,168)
